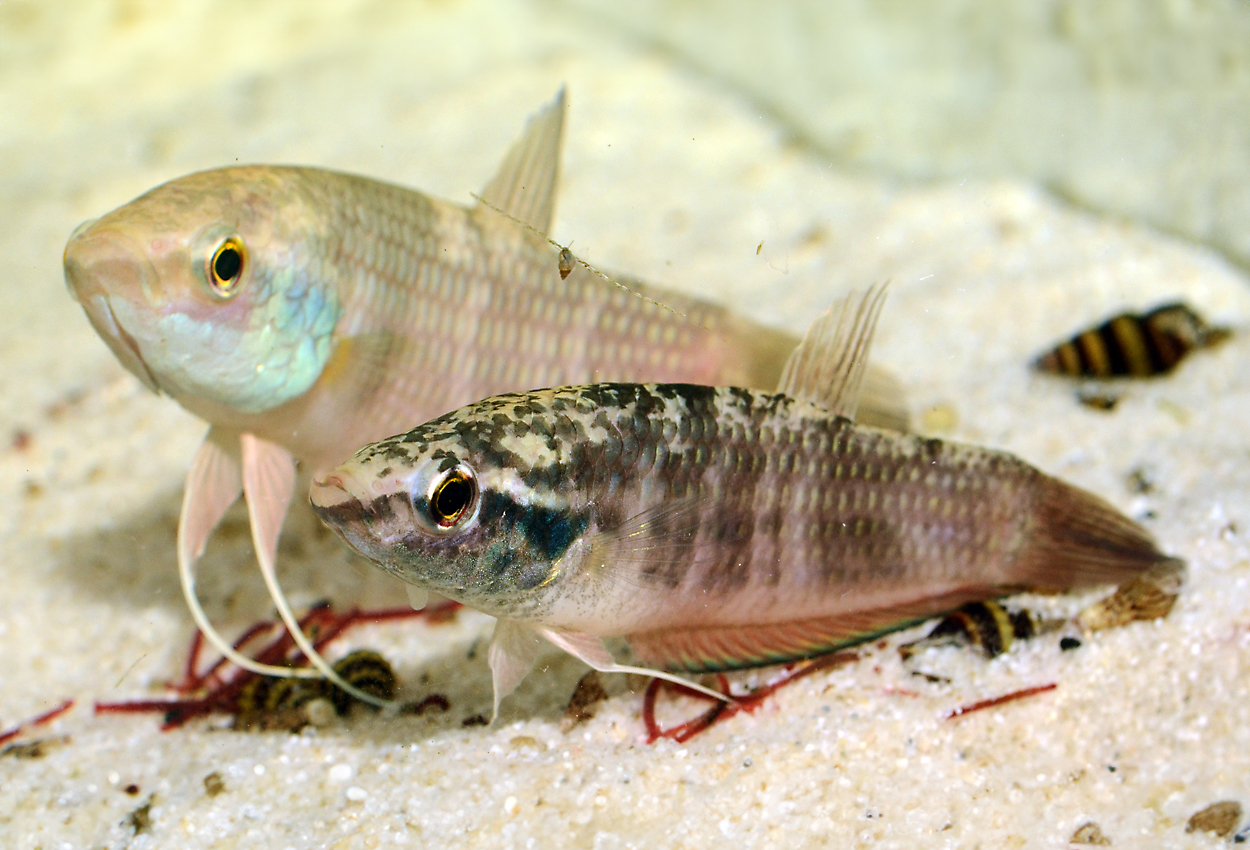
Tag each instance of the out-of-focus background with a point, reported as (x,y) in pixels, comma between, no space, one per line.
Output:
(1017,170)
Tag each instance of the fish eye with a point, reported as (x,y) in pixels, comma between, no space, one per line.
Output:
(225,267)
(452,497)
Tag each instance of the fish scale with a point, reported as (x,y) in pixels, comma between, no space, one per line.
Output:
(786,497)
(475,320)
(714,528)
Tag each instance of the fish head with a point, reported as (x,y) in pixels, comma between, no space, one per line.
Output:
(453,509)
(208,288)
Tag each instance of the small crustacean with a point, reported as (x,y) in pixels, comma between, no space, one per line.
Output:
(714,528)
(566,262)
(1132,345)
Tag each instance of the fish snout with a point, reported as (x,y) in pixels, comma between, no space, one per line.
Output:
(328,491)
(337,504)
(104,263)
(99,269)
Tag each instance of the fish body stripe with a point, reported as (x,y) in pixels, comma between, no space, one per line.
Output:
(775,498)
(716,528)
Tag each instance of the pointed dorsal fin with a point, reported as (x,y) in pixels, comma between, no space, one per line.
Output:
(525,186)
(828,367)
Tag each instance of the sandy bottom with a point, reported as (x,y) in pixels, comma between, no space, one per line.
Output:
(680,183)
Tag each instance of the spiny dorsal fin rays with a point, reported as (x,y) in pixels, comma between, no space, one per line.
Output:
(566,259)
(268,483)
(525,186)
(828,367)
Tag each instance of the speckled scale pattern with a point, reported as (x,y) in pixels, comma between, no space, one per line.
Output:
(708,507)
(793,499)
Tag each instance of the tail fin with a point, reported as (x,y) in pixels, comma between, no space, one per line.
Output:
(1078,540)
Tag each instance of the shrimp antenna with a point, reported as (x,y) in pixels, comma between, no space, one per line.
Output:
(567,258)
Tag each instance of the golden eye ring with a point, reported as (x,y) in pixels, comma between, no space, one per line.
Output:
(225,267)
(452,498)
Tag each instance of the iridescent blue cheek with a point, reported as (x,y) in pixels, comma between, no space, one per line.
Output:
(254,355)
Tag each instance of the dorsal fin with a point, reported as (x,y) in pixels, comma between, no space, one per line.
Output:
(828,367)
(525,186)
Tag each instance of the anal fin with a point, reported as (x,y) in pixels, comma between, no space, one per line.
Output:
(736,647)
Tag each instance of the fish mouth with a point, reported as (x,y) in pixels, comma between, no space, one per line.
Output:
(124,346)
(328,492)
(336,506)
(368,526)
(344,514)
(100,267)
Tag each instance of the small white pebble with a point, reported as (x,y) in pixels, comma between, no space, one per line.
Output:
(510,806)
(341,773)
(259,770)
(114,777)
(320,713)
(356,794)
(601,801)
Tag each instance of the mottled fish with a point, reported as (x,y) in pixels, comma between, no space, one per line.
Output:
(304,313)
(714,528)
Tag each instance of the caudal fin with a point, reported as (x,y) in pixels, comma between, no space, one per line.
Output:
(1077,539)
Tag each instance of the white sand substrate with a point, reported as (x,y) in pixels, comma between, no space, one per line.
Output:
(680,182)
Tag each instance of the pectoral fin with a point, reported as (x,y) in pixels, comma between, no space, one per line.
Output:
(214,482)
(525,187)
(268,483)
(736,647)
(660,538)
(828,367)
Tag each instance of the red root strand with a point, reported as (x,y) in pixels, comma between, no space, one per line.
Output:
(217,688)
(1005,698)
(38,720)
(723,710)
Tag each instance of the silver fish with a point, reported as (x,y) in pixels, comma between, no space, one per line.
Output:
(304,313)
(714,528)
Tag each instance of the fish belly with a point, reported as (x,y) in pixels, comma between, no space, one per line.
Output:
(727,510)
